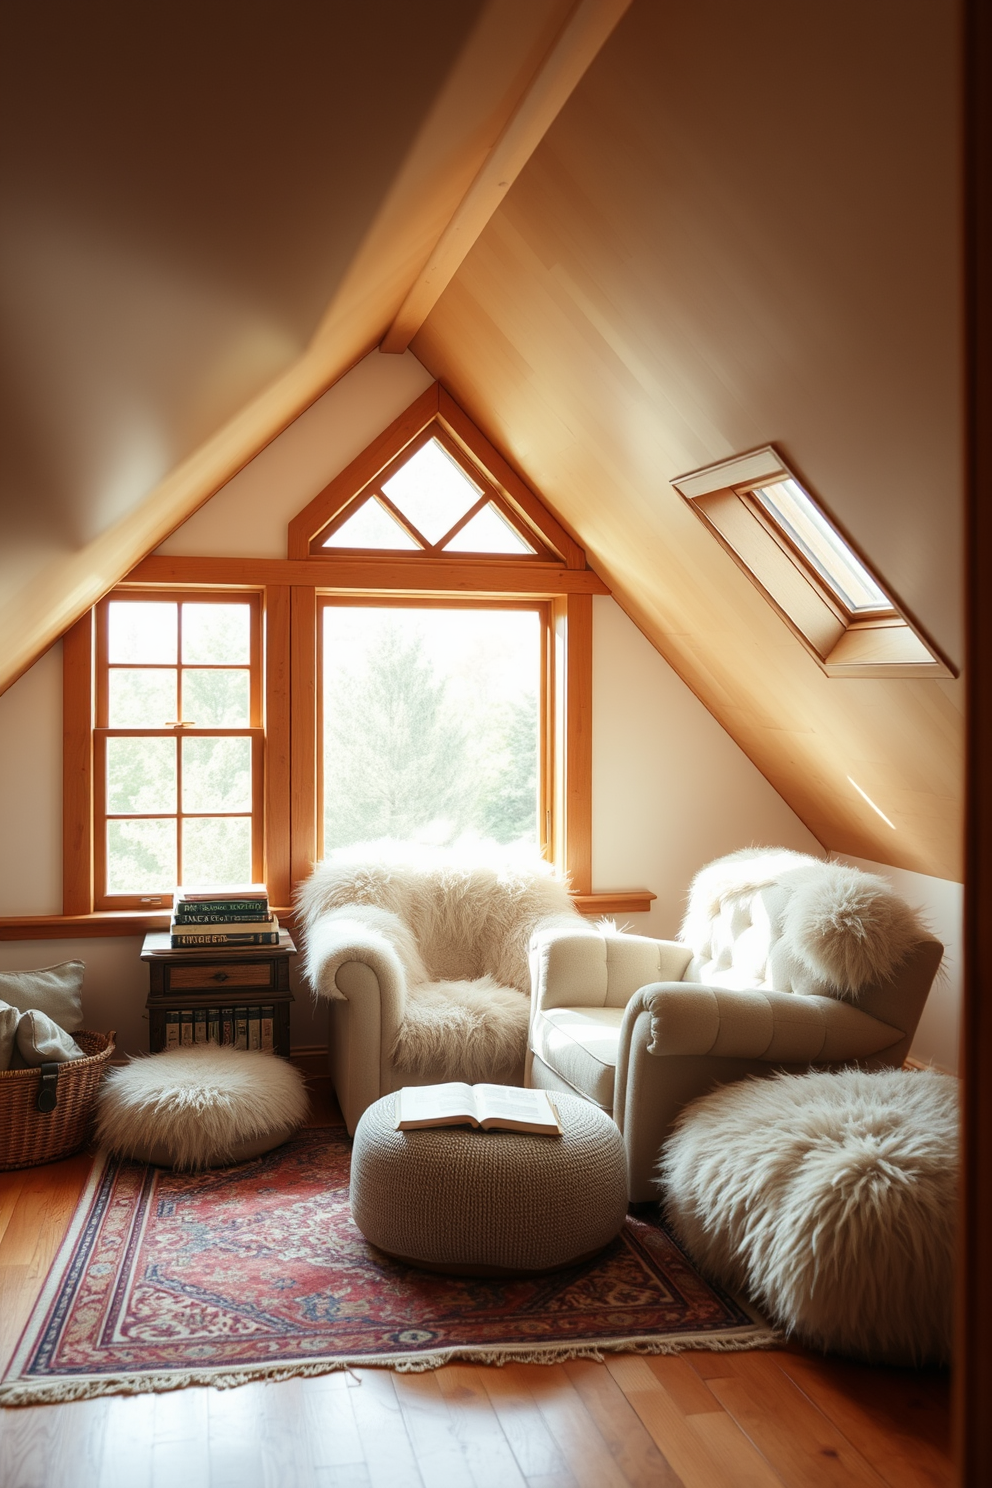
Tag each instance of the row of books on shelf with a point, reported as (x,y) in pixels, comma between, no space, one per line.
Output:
(238,915)
(240,1027)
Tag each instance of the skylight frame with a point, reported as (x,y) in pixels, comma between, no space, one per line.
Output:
(845,641)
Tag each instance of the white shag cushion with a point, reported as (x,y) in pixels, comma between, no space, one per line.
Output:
(203,1106)
(769,917)
(830,1199)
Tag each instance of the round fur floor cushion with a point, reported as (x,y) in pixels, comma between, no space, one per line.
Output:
(200,1105)
(447,936)
(830,1199)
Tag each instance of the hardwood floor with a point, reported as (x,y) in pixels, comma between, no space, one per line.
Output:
(782,1419)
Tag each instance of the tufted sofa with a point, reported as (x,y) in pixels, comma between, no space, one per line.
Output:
(784,962)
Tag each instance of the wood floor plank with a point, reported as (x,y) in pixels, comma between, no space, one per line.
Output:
(683,1384)
(382,1431)
(475,1423)
(684,1441)
(898,1420)
(440,1457)
(331,1427)
(532,1444)
(234,1437)
(636,1455)
(181,1439)
(805,1448)
(25,1446)
(79,1442)
(739,1462)
(575,1433)
(127,1457)
(11,1185)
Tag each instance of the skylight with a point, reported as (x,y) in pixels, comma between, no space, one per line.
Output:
(822,546)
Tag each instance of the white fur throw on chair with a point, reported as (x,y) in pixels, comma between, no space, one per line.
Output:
(768,917)
(831,1200)
(447,936)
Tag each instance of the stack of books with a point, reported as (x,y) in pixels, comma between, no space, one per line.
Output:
(234,916)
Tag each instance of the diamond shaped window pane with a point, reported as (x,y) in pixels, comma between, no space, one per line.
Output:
(432,490)
(488,532)
(371,526)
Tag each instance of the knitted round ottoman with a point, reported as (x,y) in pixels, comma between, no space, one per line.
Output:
(497,1203)
(200,1106)
(830,1199)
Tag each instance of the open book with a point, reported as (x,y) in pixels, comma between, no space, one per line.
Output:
(493,1107)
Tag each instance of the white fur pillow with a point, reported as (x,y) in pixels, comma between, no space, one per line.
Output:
(200,1106)
(831,1200)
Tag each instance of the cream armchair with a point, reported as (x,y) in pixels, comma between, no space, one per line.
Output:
(422,957)
(784,962)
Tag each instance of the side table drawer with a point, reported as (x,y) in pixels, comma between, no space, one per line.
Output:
(215,975)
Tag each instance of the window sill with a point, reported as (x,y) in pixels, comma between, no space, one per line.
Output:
(137,922)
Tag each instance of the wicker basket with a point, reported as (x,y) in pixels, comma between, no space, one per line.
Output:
(30,1133)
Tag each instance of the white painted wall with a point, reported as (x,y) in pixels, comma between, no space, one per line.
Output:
(942,903)
(671,789)
(249,516)
(31,790)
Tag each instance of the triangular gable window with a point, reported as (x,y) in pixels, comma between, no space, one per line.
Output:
(372,526)
(431,487)
(432,491)
(488,532)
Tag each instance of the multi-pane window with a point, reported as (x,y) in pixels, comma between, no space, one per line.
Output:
(428,503)
(178,745)
(432,722)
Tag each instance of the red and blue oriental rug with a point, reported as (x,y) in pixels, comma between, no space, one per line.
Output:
(258,1272)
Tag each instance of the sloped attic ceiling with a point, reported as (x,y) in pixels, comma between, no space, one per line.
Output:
(180,200)
(744,228)
(209,213)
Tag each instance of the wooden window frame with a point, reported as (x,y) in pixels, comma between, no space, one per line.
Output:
(843,643)
(288,592)
(103,732)
(543,608)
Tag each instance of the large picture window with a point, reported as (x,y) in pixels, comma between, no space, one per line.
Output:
(177,745)
(432,723)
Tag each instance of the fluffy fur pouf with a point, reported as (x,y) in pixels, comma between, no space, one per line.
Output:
(830,1199)
(450,933)
(200,1106)
(816,926)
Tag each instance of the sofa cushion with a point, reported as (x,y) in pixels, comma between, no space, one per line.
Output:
(54,990)
(580,1045)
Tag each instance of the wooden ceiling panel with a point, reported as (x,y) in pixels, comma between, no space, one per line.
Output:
(685,271)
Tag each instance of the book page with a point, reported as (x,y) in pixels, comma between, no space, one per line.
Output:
(431,1102)
(510,1103)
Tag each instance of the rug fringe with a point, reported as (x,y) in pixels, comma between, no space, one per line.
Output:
(61,1391)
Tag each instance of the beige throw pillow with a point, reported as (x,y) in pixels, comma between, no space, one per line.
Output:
(42,1041)
(55,990)
(9,1018)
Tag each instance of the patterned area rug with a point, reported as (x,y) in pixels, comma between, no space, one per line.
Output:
(258,1272)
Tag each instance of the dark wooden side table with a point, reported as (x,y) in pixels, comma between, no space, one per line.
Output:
(235,995)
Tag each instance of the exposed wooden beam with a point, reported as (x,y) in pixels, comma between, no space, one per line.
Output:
(580,39)
(469,113)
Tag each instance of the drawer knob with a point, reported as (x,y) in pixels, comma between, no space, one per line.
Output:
(220,976)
